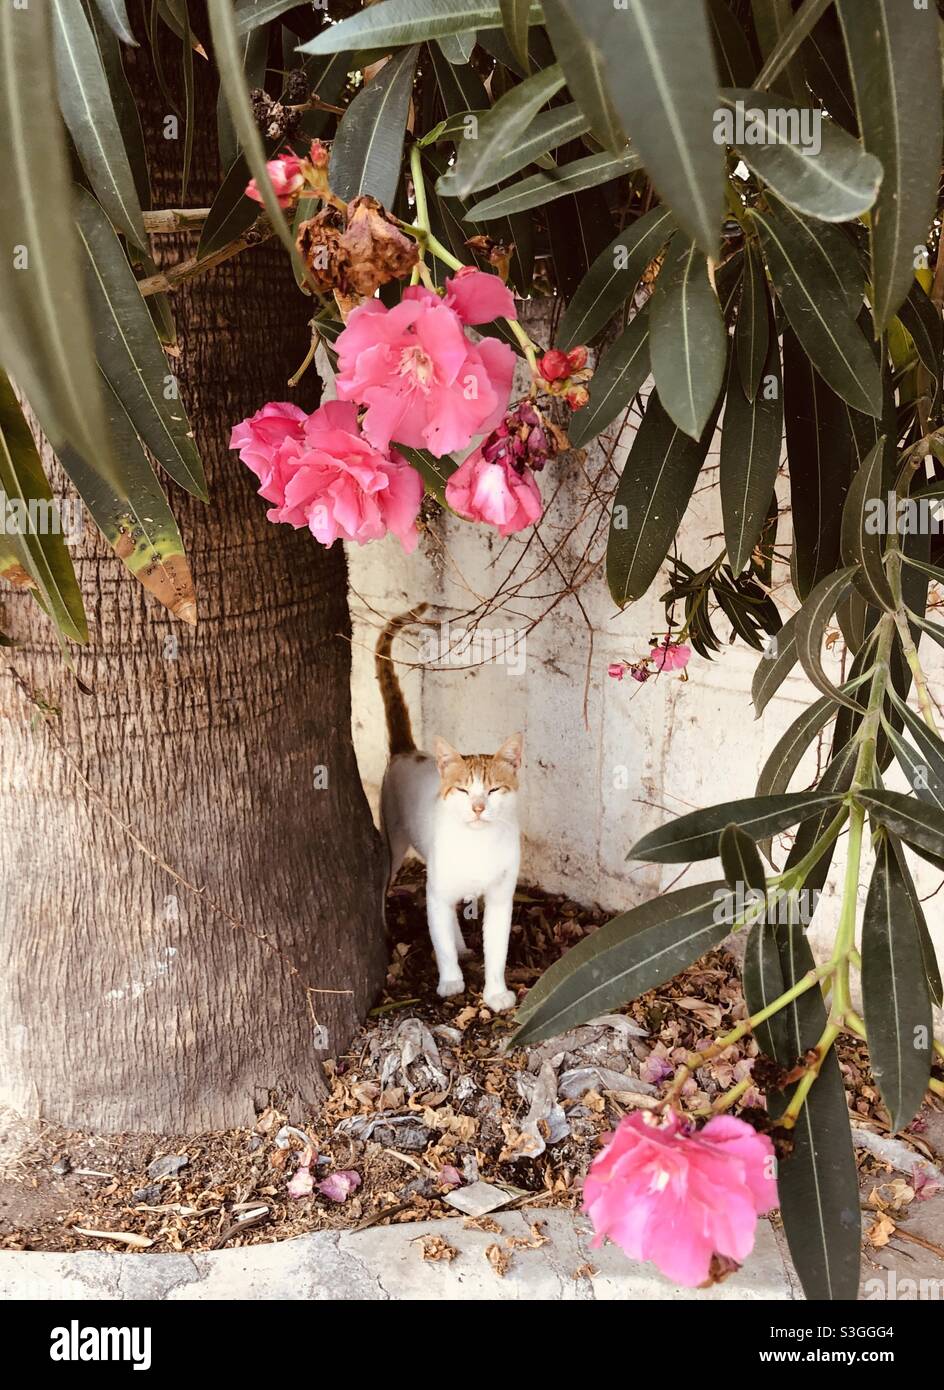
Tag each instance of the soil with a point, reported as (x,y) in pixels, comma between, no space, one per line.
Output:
(429,1099)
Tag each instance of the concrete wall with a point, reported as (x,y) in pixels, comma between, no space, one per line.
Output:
(604,761)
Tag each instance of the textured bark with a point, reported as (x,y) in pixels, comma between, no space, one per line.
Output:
(125,1001)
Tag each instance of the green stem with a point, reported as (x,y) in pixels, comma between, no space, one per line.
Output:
(529,348)
(796,877)
(789,1117)
(419,188)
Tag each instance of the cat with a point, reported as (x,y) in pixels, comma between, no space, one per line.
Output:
(460,812)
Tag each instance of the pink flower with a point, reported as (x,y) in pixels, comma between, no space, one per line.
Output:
(670,656)
(287,179)
(616,669)
(677,1197)
(494,492)
(339,1186)
(424,382)
(319,471)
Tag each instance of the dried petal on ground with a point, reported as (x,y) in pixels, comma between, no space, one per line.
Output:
(339,1186)
(499,1259)
(435,1248)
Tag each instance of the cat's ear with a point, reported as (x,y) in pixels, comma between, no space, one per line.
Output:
(511,750)
(445,754)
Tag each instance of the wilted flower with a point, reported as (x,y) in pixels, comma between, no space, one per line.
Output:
(424,382)
(679,1197)
(494,491)
(670,656)
(339,1186)
(616,669)
(319,471)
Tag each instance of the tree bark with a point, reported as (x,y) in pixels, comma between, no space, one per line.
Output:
(126,1000)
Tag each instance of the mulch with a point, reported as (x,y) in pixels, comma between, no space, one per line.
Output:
(429,1100)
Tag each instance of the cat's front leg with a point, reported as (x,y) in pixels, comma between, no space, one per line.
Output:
(441,918)
(496,929)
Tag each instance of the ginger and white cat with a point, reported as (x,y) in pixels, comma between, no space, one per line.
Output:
(459,811)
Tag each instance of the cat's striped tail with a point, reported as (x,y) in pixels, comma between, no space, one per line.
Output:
(399,728)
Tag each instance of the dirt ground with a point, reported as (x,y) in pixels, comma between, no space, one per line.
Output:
(428,1101)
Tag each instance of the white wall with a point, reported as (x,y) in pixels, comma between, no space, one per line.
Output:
(645,753)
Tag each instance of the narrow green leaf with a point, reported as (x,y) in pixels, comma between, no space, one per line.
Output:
(250,14)
(663,82)
(733,54)
(922,319)
(130,353)
(89,113)
(688,342)
(752,330)
(862,544)
(829,177)
(826,70)
(697,835)
(790,40)
(584,67)
(613,277)
(772,21)
(45,334)
(895,63)
(631,954)
(787,754)
(396,23)
(619,374)
(546,132)
(189,108)
(457,48)
(751,438)
(741,863)
(779,659)
(30,538)
(126,108)
(515,15)
(923,766)
(368,149)
(658,479)
(762,981)
(115,16)
(837,779)
(811,626)
(254,48)
(913,821)
(931,969)
(815,307)
(435,472)
(895,996)
(499,131)
(551,184)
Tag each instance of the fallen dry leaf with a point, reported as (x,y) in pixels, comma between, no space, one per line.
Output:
(435,1248)
(881,1231)
(499,1259)
(124,1237)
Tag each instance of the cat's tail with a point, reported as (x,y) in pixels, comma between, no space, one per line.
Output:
(399,729)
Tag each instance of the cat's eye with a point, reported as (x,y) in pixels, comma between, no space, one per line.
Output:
(495,789)
(463,790)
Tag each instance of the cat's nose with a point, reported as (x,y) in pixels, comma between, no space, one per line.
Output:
(478,807)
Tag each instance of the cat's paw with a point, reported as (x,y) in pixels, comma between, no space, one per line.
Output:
(500,1000)
(447,988)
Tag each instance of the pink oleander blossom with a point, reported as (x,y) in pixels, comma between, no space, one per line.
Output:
(286,174)
(678,1197)
(424,382)
(495,492)
(616,670)
(670,656)
(319,471)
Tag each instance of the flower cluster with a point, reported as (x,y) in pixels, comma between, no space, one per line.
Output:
(290,175)
(320,471)
(496,482)
(681,1197)
(563,374)
(663,656)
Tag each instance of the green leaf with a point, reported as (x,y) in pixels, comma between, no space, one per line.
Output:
(126,109)
(779,659)
(836,183)
(862,545)
(741,863)
(838,778)
(619,374)
(635,952)
(697,835)
(613,277)
(923,321)
(762,981)
(819,449)
(395,23)
(368,148)
(250,14)
(584,67)
(811,626)
(752,330)
(130,353)
(135,518)
(546,132)
(913,821)
(551,184)
(895,996)
(895,63)
(657,481)
(663,83)
(817,1182)
(924,766)
(790,40)
(30,539)
(89,113)
(499,131)
(254,48)
(45,334)
(233,82)
(687,339)
(806,283)
(751,437)
(826,71)
(733,54)
(457,48)
(515,16)
(435,472)
(931,969)
(783,761)
(115,16)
